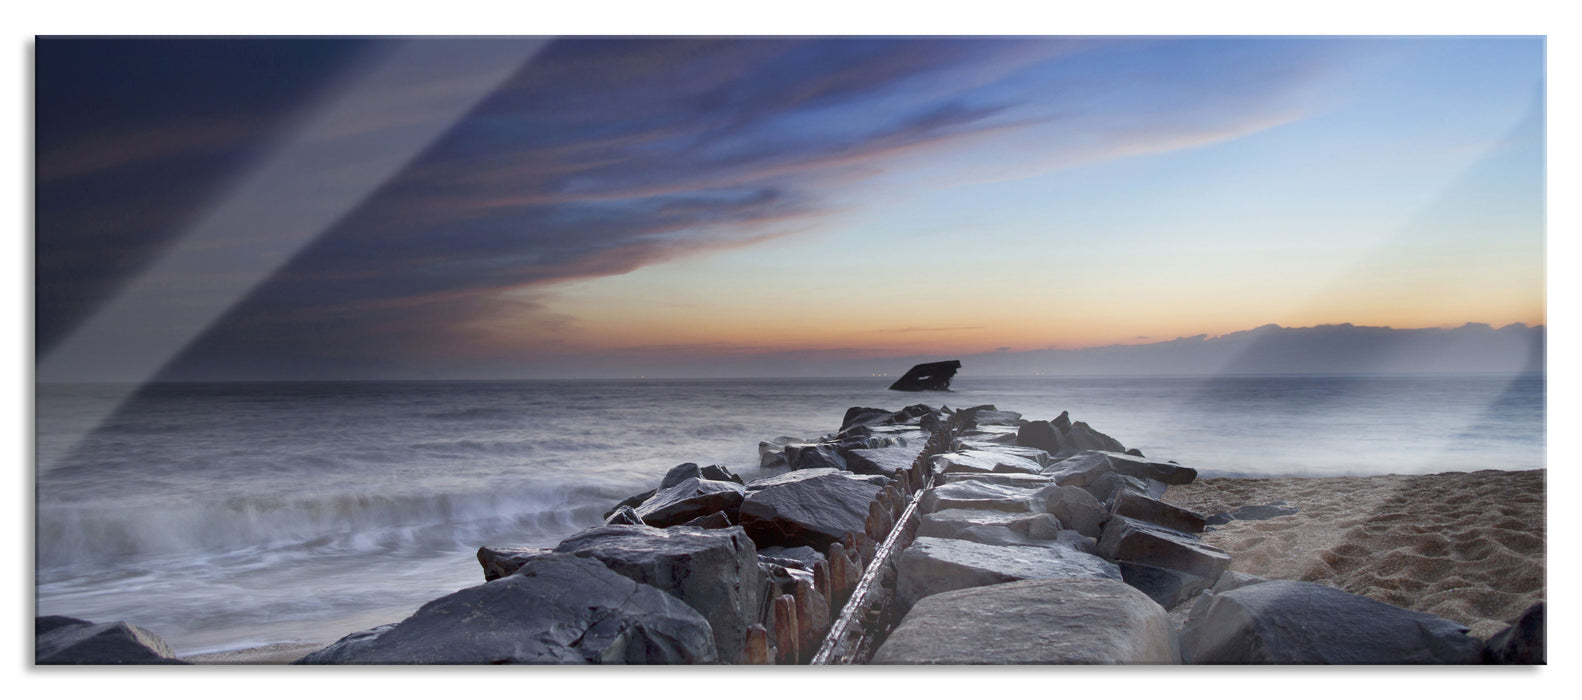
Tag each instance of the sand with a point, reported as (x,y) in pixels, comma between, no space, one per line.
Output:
(1466,546)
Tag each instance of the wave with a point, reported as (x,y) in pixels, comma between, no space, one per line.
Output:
(74,538)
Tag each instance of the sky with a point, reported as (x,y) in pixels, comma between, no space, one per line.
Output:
(350,209)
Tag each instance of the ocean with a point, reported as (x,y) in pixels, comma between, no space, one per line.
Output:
(226,516)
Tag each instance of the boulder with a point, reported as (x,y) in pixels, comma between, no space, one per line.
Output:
(814,511)
(690,498)
(815,456)
(624,515)
(1193,624)
(1143,468)
(680,473)
(1139,507)
(860,417)
(1044,621)
(980,495)
(1521,643)
(1040,435)
(1108,485)
(1062,422)
(932,565)
(631,501)
(714,571)
(993,417)
(556,609)
(1078,541)
(1077,509)
(1040,457)
(805,558)
(712,521)
(1167,587)
(1021,481)
(1081,469)
(1083,437)
(1263,512)
(1131,540)
(929,376)
(887,461)
(947,523)
(499,562)
(772,454)
(1299,622)
(61,640)
(983,462)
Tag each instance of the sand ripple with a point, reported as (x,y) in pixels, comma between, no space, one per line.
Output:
(1466,546)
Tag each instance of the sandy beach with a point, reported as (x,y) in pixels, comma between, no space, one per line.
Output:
(1466,546)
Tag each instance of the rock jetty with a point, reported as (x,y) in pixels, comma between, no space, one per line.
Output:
(915,536)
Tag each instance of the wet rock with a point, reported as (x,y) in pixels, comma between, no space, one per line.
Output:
(631,501)
(1139,507)
(1081,469)
(499,562)
(1077,509)
(980,495)
(61,640)
(1021,481)
(1263,512)
(946,523)
(624,515)
(1107,486)
(715,472)
(1523,642)
(933,565)
(1167,587)
(1192,626)
(714,571)
(680,473)
(712,521)
(1299,622)
(993,417)
(815,456)
(1083,437)
(983,462)
(1143,468)
(1045,621)
(1041,435)
(813,511)
(1078,541)
(772,454)
(800,557)
(1125,539)
(929,376)
(556,609)
(690,498)
(888,461)
(860,417)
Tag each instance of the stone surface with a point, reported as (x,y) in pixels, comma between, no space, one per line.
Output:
(983,461)
(62,640)
(680,473)
(714,571)
(933,565)
(1041,435)
(1080,469)
(1167,587)
(815,456)
(1523,642)
(1078,541)
(1077,509)
(1143,468)
(1299,622)
(1130,540)
(499,562)
(631,501)
(946,523)
(690,498)
(712,521)
(1139,507)
(624,515)
(801,557)
(1081,436)
(556,609)
(1260,512)
(980,495)
(1046,621)
(1108,485)
(812,511)
(1022,481)
(994,417)
(888,461)
(929,376)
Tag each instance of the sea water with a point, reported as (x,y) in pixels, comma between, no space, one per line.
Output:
(222,516)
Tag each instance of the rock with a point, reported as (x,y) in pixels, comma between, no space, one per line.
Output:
(1045,621)
(624,515)
(690,498)
(499,562)
(1082,437)
(933,565)
(1139,507)
(712,521)
(1078,541)
(813,511)
(61,640)
(680,473)
(1021,481)
(1143,468)
(1037,456)
(982,461)
(1077,509)
(1299,622)
(860,417)
(715,472)
(1081,469)
(1192,626)
(1062,422)
(801,557)
(1107,486)
(815,456)
(946,523)
(757,653)
(993,417)
(556,609)
(632,501)
(1167,587)
(1521,643)
(1263,512)
(1131,540)
(977,494)
(888,461)
(772,454)
(930,376)
(714,571)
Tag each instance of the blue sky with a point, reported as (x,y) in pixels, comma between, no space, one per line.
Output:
(614,201)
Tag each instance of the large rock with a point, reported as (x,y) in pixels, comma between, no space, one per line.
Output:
(933,565)
(499,562)
(1021,481)
(66,640)
(861,417)
(994,417)
(1040,434)
(1045,621)
(1523,642)
(1131,540)
(815,456)
(947,523)
(1143,468)
(929,376)
(814,511)
(981,495)
(1107,486)
(888,461)
(1167,587)
(690,498)
(1299,622)
(1139,507)
(1077,509)
(714,571)
(1081,436)
(983,461)
(1258,512)
(1081,469)
(556,609)
(689,470)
